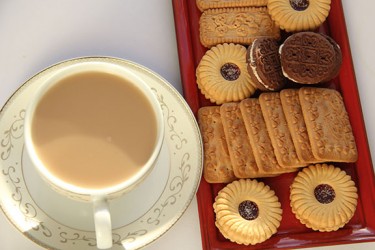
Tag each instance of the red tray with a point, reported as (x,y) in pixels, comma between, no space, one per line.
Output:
(291,234)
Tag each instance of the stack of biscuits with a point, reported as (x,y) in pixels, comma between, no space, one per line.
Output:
(276,133)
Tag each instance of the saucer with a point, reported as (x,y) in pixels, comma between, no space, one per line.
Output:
(139,217)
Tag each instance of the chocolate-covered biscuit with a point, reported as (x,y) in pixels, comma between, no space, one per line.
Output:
(263,64)
(308,58)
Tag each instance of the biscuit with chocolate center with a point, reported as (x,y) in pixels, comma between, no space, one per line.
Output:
(299,15)
(323,197)
(247,212)
(222,75)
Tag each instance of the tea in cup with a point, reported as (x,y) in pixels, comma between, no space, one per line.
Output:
(94,131)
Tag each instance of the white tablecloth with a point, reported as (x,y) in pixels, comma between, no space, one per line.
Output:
(35,34)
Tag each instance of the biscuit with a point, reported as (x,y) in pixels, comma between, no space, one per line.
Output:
(222,75)
(328,125)
(212,4)
(296,124)
(323,197)
(240,151)
(236,25)
(308,58)
(263,64)
(247,212)
(278,130)
(299,15)
(259,138)
(217,167)
(338,63)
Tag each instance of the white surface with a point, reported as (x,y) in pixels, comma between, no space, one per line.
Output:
(35,34)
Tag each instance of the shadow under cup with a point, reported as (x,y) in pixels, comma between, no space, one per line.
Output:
(94,131)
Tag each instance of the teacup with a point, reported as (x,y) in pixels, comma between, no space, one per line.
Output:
(94,131)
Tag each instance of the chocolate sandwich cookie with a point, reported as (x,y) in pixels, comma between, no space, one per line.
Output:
(263,64)
(337,49)
(308,58)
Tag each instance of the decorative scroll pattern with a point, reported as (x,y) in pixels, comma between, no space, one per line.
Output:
(13,133)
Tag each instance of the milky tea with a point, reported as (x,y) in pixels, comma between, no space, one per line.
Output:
(94,130)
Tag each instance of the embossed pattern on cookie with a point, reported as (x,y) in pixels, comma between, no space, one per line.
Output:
(307,58)
(278,130)
(296,123)
(212,4)
(217,167)
(259,138)
(240,151)
(264,64)
(328,125)
(236,25)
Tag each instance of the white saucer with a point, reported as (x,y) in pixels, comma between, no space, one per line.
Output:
(139,217)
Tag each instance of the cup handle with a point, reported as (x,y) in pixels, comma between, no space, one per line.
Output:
(103,224)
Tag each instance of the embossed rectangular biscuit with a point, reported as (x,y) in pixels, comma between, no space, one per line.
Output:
(259,138)
(212,4)
(217,167)
(296,123)
(236,25)
(328,125)
(278,130)
(240,151)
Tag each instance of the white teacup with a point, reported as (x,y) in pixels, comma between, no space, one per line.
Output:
(94,131)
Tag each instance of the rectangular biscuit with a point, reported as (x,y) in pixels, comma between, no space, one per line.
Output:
(259,138)
(212,4)
(240,151)
(296,124)
(217,167)
(236,25)
(278,130)
(328,125)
